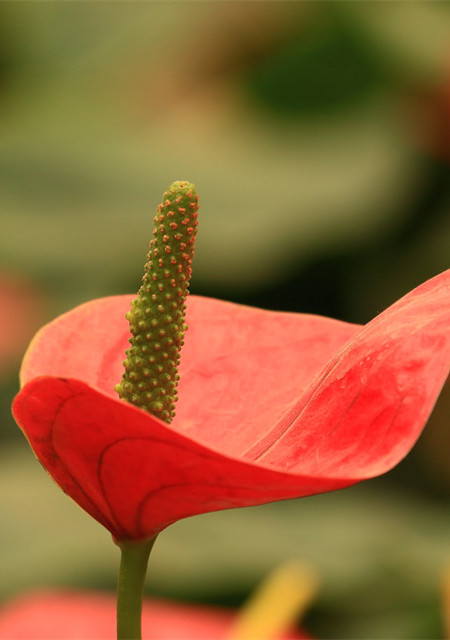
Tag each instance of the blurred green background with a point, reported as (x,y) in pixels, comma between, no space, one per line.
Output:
(318,135)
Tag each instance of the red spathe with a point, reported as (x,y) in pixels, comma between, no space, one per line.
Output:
(272,406)
(91,616)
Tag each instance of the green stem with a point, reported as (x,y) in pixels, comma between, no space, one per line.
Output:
(133,568)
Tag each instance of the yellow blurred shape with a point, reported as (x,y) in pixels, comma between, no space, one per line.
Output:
(275,606)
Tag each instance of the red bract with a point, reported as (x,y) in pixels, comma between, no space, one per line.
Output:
(21,311)
(272,406)
(90,616)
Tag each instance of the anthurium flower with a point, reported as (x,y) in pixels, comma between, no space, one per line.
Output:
(49,615)
(271,406)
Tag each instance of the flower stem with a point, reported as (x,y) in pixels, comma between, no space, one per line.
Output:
(133,568)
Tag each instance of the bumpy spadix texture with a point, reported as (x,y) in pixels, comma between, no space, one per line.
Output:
(157,314)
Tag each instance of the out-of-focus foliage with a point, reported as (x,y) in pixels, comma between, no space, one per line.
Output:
(102,104)
(318,137)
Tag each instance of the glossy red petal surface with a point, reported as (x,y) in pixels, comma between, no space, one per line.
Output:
(91,616)
(136,475)
(366,410)
(133,473)
(241,367)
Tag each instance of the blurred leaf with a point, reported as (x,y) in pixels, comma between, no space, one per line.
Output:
(416,34)
(326,64)
(83,212)
(85,155)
